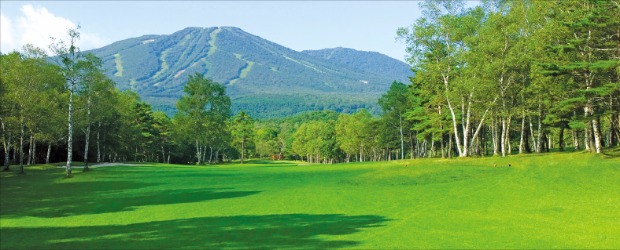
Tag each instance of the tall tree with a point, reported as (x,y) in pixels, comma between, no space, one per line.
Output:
(204,108)
(436,45)
(242,131)
(588,38)
(69,55)
(395,104)
(93,81)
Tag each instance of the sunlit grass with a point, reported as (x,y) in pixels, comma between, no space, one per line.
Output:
(558,200)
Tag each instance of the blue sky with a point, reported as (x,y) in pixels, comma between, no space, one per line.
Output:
(299,25)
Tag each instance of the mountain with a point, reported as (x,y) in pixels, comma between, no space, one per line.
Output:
(261,77)
(363,61)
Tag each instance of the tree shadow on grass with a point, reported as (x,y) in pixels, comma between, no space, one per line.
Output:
(41,194)
(62,204)
(299,231)
(612,153)
(272,162)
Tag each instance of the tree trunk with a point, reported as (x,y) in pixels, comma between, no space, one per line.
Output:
(87,134)
(98,142)
(70,133)
(575,139)
(561,138)
(402,139)
(49,151)
(6,142)
(210,154)
(197,153)
(443,155)
(163,154)
(203,154)
(587,140)
(612,122)
(503,139)
(540,132)
(508,144)
(454,124)
(15,152)
(411,145)
(242,149)
(532,135)
(598,142)
(29,154)
(496,138)
(30,142)
(21,148)
(34,150)
(522,140)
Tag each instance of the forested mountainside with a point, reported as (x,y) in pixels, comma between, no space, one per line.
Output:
(261,77)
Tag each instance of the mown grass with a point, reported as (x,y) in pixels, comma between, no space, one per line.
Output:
(558,200)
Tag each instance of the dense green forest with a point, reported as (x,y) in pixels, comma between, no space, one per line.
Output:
(501,78)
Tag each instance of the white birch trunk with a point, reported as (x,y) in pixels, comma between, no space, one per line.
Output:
(70,133)
(522,140)
(49,152)
(34,151)
(598,144)
(29,160)
(539,135)
(454,123)
(98,142)
(198,157)
(402,139)
(21,148)
(7,151)
(87,134)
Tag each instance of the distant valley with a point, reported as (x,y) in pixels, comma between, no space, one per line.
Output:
(263,78)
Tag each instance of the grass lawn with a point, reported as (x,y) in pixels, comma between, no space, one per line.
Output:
(557,200)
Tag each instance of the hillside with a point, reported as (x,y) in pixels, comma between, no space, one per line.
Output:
(262,77)
(363,61)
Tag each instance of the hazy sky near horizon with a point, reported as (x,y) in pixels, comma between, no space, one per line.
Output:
(299,25)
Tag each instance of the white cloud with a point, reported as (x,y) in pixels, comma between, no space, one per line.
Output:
(36,25)
(7,41)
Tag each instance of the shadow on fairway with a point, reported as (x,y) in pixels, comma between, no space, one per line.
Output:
(68,199)
(612,153)
(272,163)
(297,231)
(22,195)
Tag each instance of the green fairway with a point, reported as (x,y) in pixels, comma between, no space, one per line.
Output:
(558,200)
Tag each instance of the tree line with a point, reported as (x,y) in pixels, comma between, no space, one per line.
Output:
(66,106)
(517,75)
(500,78)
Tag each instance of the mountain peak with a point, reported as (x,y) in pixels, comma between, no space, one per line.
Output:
(261,77)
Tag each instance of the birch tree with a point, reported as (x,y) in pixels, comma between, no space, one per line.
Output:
(204,109)
(436,43)
(69,55)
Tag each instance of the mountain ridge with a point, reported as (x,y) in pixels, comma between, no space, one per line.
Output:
(261,76)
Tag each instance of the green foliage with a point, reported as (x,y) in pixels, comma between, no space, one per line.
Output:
(203,113)
(479,70)
(242,130)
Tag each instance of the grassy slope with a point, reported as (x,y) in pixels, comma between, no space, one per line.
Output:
(543,201)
